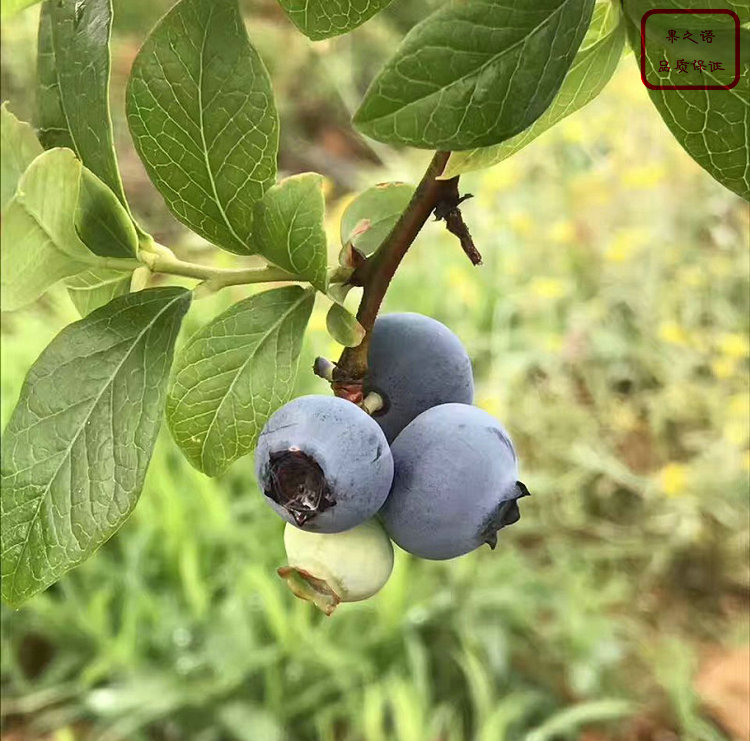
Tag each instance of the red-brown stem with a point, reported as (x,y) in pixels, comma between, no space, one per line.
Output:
(381,267)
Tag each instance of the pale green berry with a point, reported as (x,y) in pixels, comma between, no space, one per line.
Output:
(329,568)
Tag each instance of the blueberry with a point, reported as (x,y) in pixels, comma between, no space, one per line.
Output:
(415,363)
(455,483)
(323,464)
(329,568)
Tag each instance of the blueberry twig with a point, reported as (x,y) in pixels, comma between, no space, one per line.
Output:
(376,272)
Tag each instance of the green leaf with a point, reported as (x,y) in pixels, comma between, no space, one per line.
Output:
(321,19)
(636,8)
(40,244)
(9,8)
(343,326)
(289,227)
(102,222)
(573,717)
(475,73)
(369,218)
(741,8)
(51,121)
(73,84)
(97,287)
(234,373)
(76,449)
(592,68)
(18,149)
(711,125)
(201,111)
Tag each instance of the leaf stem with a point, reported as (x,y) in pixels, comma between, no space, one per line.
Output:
(378,271)
(216,278)
(120,263)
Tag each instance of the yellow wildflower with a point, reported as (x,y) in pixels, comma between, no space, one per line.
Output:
(673,479)
(574,130)
(673,333)
(734,345)
(548,288)
(737,432)
(501,177)
(739,406)
(724,367)
(562,232)
(492,404)
(644,176)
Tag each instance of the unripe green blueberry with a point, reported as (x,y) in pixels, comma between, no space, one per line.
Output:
(329,568)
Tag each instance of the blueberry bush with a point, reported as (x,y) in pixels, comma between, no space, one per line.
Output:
(473,81)
(607,328)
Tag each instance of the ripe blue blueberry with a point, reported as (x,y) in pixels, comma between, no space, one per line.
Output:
(455,483)
(415,363)
(323,464)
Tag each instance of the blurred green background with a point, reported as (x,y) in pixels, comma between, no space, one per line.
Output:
(608,329)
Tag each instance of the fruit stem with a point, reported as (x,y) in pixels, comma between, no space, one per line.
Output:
(323,368)
(378,270)
(372,403)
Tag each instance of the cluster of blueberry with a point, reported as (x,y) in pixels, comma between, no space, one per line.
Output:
(428,470)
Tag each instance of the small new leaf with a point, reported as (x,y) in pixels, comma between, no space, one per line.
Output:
(592,68)
(343,326)
(40,243)
(475,73)
(289,227)
(369,218)
(18,149)
(321,19)
(200,108)
(234,373)
(76,449)
(102,222)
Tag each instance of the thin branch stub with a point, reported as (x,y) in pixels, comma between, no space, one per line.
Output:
(448,210)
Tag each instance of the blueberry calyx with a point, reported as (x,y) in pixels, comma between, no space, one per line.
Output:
(308,587)
(506,514)
(298,483)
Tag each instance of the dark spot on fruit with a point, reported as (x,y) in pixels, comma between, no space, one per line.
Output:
(298,483)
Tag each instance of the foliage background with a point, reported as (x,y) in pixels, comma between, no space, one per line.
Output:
(608,329)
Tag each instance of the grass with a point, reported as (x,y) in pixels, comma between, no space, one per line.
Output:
(609,331)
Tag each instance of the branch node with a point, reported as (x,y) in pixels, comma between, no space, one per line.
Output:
(351,390)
